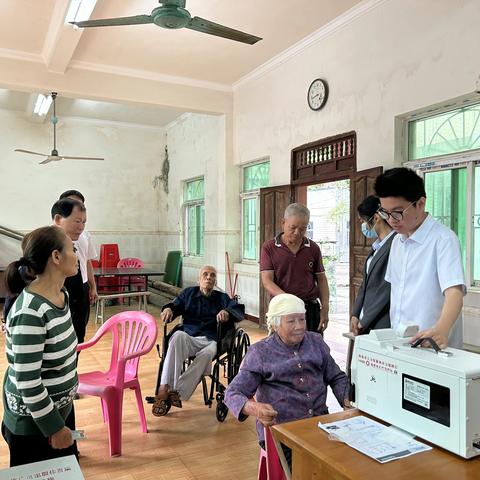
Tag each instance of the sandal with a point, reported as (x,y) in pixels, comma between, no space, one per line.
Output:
(174,399)
(161,406)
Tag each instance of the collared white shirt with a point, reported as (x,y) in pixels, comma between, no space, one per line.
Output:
(420,268)
(85,251)
(376,246)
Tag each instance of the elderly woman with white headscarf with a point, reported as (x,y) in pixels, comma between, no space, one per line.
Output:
(288,372)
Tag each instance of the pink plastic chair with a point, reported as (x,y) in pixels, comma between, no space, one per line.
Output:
(139,281)
(133,335)
(269,466)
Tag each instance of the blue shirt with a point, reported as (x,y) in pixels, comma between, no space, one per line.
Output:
(200,312)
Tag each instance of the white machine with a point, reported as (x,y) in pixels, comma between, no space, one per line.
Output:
(434,395)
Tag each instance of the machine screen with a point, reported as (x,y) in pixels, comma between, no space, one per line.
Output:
(426,399)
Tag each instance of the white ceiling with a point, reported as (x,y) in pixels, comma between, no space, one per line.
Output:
(35,29)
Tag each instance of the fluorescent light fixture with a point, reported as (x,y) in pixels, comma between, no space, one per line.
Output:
(42,105)
(80,10)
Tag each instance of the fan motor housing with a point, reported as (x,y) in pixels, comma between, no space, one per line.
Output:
(170,16)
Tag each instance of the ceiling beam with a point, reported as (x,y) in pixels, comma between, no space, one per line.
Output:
(61,40)
(33,76)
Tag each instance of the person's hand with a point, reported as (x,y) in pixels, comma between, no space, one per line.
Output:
(167,315)
(355,325)
(346,404)
(266,414)
(61,439)
(93,295)
(323,324)
(438,334)
(223,316)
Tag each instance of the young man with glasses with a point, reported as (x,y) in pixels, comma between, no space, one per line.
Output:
(425,267)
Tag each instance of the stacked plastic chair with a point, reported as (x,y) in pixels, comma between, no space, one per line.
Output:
(129,283)
(109,257)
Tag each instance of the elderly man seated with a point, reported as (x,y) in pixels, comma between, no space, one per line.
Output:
(288,372)
(201,308)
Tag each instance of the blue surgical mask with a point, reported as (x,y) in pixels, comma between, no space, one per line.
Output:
(369,232)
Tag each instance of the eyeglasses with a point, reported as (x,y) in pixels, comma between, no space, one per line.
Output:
(396,215)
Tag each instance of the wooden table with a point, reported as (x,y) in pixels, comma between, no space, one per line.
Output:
(317,457)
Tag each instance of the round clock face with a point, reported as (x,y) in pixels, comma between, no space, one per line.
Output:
(317,94)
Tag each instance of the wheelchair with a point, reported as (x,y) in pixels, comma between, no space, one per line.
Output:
(232,345)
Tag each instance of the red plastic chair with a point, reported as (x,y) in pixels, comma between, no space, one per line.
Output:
(133,335)
(269,466)
(109,257)
(138,282)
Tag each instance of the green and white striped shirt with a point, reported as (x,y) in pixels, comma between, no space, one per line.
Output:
(41,379)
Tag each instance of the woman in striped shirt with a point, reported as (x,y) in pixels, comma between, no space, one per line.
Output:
(41,379)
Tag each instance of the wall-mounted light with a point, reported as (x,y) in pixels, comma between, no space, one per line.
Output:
(42,104)
(80,10)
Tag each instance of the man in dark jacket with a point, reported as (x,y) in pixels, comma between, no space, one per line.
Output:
(201,308)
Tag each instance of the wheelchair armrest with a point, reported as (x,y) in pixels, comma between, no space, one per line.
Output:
(168,330)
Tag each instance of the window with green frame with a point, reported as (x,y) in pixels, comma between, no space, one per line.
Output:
(194,206)
(476,227)
(445,133)
(255,176)
(452,183)
(447,201)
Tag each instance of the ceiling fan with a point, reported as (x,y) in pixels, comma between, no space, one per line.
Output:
(54,156)
(172,14)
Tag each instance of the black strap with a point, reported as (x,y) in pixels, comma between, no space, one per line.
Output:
(430,340)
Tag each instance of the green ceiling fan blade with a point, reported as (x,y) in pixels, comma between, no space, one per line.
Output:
(206,26)
(111,22)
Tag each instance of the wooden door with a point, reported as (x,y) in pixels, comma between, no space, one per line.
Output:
(273,201)
(361,186)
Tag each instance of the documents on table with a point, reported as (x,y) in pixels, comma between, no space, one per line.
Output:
(63,468)
(371,438)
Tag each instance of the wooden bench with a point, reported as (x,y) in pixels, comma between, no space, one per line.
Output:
(100,305)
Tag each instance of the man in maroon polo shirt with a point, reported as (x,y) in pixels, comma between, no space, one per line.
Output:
(291,263)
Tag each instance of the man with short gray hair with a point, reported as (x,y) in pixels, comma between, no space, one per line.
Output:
(201,308)
(291,263)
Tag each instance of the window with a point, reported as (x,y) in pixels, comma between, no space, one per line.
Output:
(255,176)
(452,178)
(194,208)
(447,200)
(444,134)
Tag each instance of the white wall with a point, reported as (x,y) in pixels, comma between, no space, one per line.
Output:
(122,203)
(398,57)
(197,146)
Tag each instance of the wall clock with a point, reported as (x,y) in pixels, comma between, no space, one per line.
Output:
(317,94)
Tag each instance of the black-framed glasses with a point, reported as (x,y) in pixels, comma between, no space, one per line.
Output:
(396,215)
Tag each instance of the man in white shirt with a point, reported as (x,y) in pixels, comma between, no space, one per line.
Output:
(86,252)
(425,267)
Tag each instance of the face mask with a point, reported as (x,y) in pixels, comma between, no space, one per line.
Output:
(368,232)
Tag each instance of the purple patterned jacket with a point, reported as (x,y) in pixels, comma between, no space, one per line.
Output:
(293,379)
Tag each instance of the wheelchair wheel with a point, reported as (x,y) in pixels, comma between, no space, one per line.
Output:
(221,411)
(238,350)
